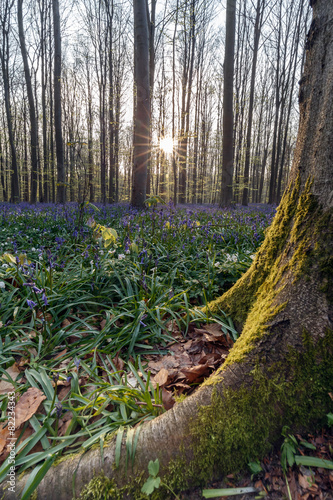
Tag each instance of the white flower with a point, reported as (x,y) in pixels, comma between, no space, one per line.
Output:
(121,256)
(252,256)
(2,285)
(217,264)
(5,266)
(231,258)
(101,252)
(33,249)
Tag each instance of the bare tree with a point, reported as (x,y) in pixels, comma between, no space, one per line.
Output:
(142,103)
(61,186)
(228,120)
(5,14)
(31,101)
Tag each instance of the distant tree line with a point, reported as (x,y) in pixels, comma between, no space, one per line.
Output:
(89,88)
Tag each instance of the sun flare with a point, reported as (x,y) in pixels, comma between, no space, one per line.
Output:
(167,144)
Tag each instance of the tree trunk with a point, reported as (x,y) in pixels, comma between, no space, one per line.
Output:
(33,121)
(61,191)
(280,370)
(257,32)
(142,106)
(228,118)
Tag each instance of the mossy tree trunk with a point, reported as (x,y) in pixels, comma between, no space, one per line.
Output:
(280,370)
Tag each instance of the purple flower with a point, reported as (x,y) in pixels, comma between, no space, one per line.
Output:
(44,298)
(31,304)
(77,363)
(57,409)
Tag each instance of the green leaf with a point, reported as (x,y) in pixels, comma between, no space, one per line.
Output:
(330,419)
(36,476)
(255,467)
(150,485)
(154,467)
(313,462)
(308,445)
(225,492)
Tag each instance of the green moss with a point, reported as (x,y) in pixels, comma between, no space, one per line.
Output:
(298,241)
(242,425)
(238,301)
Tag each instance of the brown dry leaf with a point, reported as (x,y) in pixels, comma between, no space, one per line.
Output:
(304,481)
(65,323)
(164,377)
(180,387)
(196,373)
(102,324)
(64,423)
(4,441)
(5,385)
(28,405)
(167,399)
(118,362)
(213,329)
(64,391)
(60,354)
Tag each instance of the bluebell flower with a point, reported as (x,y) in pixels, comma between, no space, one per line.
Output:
(77,363)
(31,304)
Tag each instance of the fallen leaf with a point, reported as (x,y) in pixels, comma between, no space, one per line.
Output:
(60,354)
(5,442)
(167,399)
(304,481)
(161,378)
(28,405)
(66,322)
(5,384)
(196,373)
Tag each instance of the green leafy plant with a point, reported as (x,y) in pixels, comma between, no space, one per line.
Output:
(154,481)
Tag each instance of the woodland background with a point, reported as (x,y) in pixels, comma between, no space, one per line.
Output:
(90,44)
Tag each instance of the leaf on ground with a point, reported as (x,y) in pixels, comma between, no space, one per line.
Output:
(66,322)
(118,362)
(5,384)
(5,442)
(60,354)
(162,378)
(305,481)
(64,423)
(167,399)
(28,405)
(196,373)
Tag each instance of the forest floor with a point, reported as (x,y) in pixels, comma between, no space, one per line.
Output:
(188,362)
(305,483)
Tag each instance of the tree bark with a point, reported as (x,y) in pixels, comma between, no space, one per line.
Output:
(228,117)
(279,371)
(61,186)
(142,104)
(33,121)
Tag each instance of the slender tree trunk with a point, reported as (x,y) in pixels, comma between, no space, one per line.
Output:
(142,104)
(31,101)
(257,31)
(4,58)
(61,186)
(228,120)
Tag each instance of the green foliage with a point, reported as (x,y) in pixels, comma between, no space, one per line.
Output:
(288,449)
(82,286)
(153,480)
